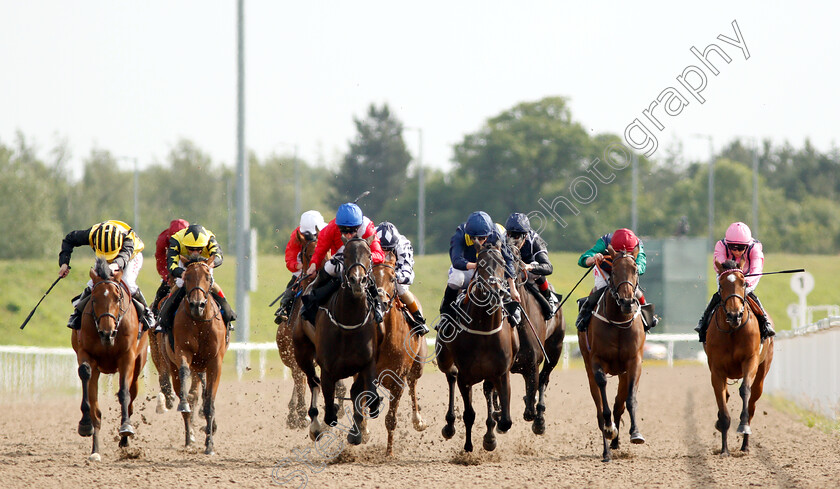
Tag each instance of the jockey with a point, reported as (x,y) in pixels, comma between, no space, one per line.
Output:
(463,251)
(532,249)
(311,222)
(349,223)
(391,240)
(188,243)
(738,245)
(621,240)
(117,243)
(161,245)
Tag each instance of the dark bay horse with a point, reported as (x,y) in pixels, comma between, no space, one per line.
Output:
(401,353)
(344,343)
(108,342)
(479,346)
(735,351)
(613,345)
(549,334)
(199,343)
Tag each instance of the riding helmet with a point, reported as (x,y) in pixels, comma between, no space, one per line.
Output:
(106,238)
(388,235)
(196,237)
(518,223)
(479,224)
(624,240)
(738,233)
(349,215)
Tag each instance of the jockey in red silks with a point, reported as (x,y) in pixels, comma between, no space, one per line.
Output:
(621,240)
(349,223)
(739,246)
(311,223)
(161,245)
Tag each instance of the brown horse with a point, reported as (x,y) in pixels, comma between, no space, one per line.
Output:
(735,350)
(400,352)
(613,345)
(285,344)
(199,342)
(479,346)
(549,335)
(343,343)
(108,342)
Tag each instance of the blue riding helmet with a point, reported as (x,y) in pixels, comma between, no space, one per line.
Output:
(349,215)
(388,235)
(479,224)
(518,223)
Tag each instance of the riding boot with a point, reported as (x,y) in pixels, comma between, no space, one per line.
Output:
(764,324)
(228,315)
(162,292)
(286,301)
(586,306)
(512,308)
(447,305)
(323,287)
(143,311)
(168,308)
(79,303)
(650,319)
(373,300)
(703,325)
(552,300)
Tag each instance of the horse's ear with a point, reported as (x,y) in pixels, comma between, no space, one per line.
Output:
(117,274)
(370,239)
(718,266)
(93,275)
(210,261)
(344,240)
(636,251)
(610,250)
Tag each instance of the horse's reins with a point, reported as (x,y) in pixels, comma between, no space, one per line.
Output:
(495,292)
(613,289)
(207,296)
(344,285)
(117,319)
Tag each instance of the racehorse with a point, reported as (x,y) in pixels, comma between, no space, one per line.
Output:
(401,353)
(199,342)
(108,342)
(735,350)
(613,345)
(535,331)
(481,347)
(344,343)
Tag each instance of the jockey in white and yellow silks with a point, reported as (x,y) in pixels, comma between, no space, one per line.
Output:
(117,243)
(186,244)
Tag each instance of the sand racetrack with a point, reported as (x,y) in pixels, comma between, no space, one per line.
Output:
(39,446)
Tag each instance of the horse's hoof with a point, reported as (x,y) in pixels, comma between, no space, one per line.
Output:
(95,457)
(539,426)
(718,426)
(170,402)
(419,424)
(724,454)
(497,415)
(637,439)
(448,431)
(126,430)
(85,429)
(184,407)
(209,451)
(606,459)
(354,439)
(468,447)
(610,432)
(744,429)
(503,426)
(315,430)
(489,443)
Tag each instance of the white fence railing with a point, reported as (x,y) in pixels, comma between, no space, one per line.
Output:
(806,367)
(31,370)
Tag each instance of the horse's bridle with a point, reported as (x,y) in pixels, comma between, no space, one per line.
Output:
(493,286)
(744,311)
(117,319)
(391,297)
(614,288)
(347,269)
(205,292)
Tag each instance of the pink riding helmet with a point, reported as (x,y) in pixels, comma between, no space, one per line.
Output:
(738,233)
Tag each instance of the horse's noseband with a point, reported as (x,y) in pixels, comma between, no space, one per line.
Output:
(204,292)
(117,319)
(743,309)
(614,287)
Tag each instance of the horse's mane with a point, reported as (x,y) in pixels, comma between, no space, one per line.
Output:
(729,265)
(102,269)
(193,259)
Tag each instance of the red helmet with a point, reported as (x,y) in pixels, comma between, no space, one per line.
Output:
(624,240)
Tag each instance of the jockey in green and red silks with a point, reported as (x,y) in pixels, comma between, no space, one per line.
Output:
(739,246)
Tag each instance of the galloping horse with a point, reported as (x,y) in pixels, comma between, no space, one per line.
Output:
(401,353)
(483,349)
(612,345)
(199,342)
(343,343)
(550,334)
(108,342)
(735,351)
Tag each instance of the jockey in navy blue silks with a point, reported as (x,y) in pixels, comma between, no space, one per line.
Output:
(533,252)
(463,250)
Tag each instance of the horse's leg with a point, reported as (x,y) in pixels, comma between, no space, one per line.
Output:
(722,424)
(166,397)
(184,378)
(750,369)
(314,382)
(490,436)
(197,387)
(328,391)
(340,394)
(532,380)
(448,430)
(86,423)
(354,436)
(297,404)
(634,374)
(126,371)
(621,400)
(554,348)
(413,375)
(503,389)
(396,390)
(598,389)
(469,413)
(213,374)
(139,362)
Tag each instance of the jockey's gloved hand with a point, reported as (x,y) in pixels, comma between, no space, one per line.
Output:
(178,272)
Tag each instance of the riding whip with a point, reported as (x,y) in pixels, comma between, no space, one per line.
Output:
(39,303)
(299,279)
(534,330)
(573,288)
(361,196)
(796,270)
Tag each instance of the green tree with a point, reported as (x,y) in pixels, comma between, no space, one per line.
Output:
(377,161)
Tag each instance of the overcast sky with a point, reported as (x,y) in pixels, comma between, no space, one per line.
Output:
(134,77)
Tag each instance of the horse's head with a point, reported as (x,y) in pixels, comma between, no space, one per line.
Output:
(489,275)
(109,301)
(624,278)
(308,243)
(357,265)
(197,283)
(733,290)
(385,276)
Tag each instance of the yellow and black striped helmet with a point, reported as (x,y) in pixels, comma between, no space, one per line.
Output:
(196,236)
(107,240)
